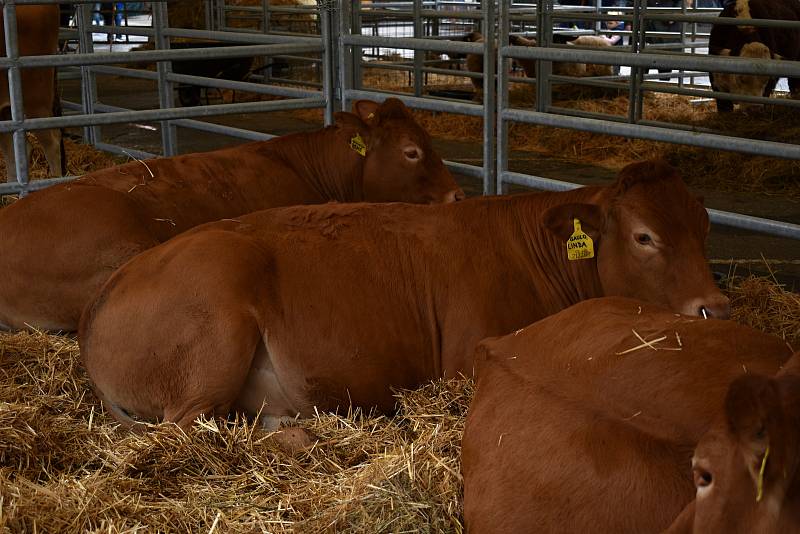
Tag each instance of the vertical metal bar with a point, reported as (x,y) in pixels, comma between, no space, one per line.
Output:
(166,96)
(328,46)
(207,15)
(83,18)
(637,44)
(20,144)
(681,72)
(358,52)
(266,22)
(419,55)
(544,33)
(489,89)
(345,58)
(502,96)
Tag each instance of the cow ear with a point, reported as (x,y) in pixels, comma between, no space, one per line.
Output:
(366,109)
(344,118)
(645,171)
(559,220)
(753,409)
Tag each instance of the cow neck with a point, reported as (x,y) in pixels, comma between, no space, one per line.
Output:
(326,163)
(539,252)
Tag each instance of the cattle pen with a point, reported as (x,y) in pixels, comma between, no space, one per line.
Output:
(66,466)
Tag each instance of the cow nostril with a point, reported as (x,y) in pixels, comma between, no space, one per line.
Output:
(453,196)
(704,313)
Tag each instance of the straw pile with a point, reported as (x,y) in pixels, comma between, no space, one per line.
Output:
(761,303)
(65,467)
(80,159)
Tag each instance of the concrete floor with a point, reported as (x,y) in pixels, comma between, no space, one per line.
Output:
(724,243)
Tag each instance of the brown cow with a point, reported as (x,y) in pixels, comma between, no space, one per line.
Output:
(474,62)
(37,28)
(62,243)
(754,43)
(586,422)
(323,306)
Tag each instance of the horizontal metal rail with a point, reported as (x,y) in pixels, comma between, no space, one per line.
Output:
(160,114)
(638,131)
(726,218)
(152,56)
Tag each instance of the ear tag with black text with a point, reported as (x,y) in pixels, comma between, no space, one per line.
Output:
(579,245)
(358,144)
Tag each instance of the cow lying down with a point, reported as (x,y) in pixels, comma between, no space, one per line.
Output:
(618,416)
(330,305)
(474,62)
(62,243)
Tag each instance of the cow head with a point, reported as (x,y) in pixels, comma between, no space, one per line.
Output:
(745,468)
(649,235)
(400,163)
(745,84)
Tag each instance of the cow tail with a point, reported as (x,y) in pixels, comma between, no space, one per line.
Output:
(57,112)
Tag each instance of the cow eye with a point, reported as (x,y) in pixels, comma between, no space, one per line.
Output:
(702,478)
(643,239)
(412,153)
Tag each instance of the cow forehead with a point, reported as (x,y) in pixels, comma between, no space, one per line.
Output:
(403,131)
(661,203)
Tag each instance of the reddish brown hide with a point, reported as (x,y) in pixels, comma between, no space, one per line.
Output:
(37,28)
(572,431)
(321,306)
(61,244)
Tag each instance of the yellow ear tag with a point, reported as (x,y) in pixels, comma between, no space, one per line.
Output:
(370,115)
(760,482)
(579,245)
(358,144)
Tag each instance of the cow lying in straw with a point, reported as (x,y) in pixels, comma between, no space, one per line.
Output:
(321,307)
(62,243)
(37,28)
(586,422)
(474,62)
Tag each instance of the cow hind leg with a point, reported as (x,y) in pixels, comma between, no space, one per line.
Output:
(53,144)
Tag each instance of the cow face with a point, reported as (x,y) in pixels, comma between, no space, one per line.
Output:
(649,241)
(745,84)
(400,163)
(745,468)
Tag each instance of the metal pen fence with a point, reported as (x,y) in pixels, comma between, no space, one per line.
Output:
(352,40)
(91,113)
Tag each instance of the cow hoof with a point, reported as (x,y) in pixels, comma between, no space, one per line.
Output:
(294,439)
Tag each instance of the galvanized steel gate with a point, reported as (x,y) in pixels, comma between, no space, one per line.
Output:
(347,29)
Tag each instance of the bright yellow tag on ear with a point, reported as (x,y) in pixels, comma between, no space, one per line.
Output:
(579,245)
(358,144)
(370,115)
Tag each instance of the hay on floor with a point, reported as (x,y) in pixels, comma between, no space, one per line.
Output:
(80,159)
(66,467)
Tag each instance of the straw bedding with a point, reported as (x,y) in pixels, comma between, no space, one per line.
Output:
(65,467)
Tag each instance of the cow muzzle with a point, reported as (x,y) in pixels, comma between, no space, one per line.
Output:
(716,307)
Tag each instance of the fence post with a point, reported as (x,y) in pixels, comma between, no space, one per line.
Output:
(503,25)
(91,134)
(419,55)
(328,57)
(489,89)
(20,143)
(166,96)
